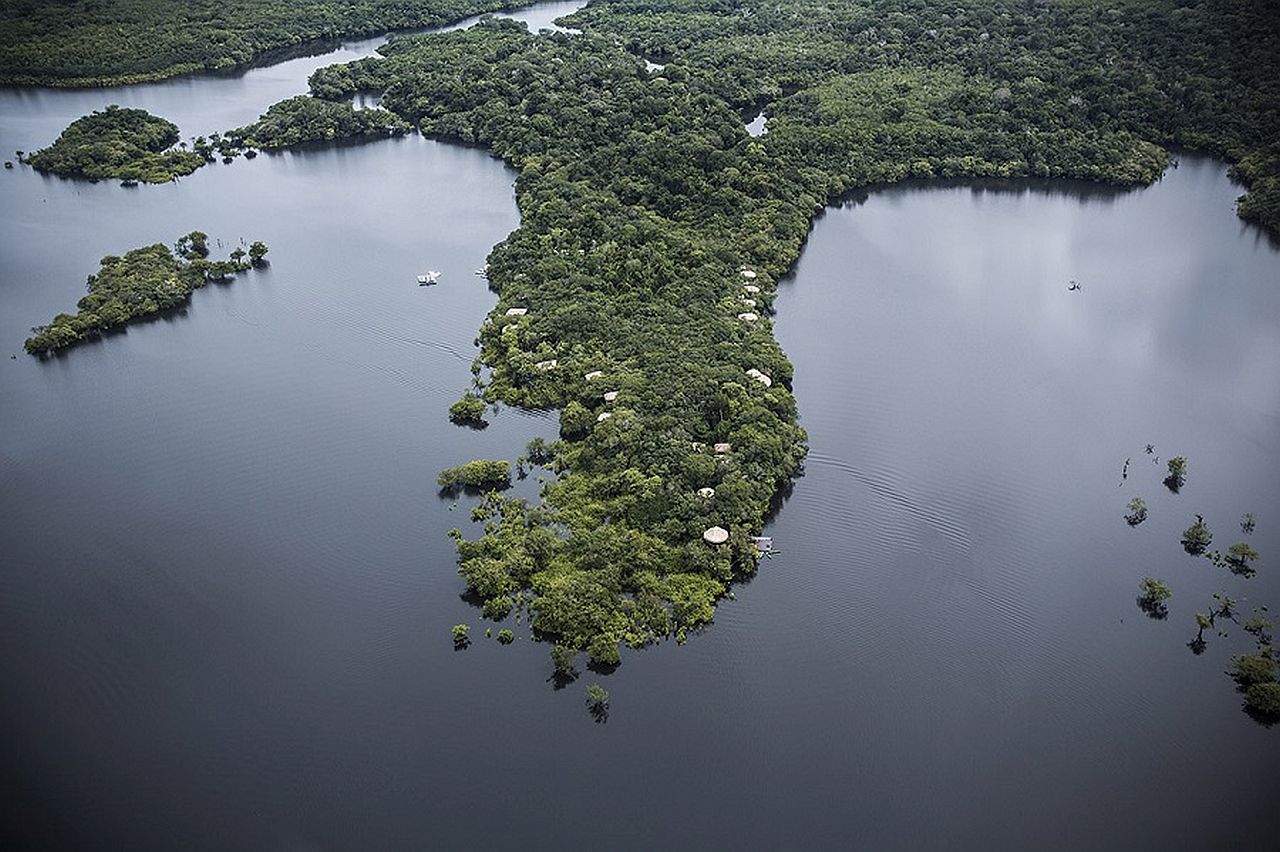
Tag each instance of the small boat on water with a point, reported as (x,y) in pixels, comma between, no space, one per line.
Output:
(430,277)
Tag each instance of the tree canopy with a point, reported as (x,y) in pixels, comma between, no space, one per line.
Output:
(130,144)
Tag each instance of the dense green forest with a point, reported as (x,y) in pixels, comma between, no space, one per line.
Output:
(145,281)
(131,144)
(106,42)
(635,296)
(300,120)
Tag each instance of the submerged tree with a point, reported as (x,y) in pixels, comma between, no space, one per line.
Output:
(468,411)
(461,637)
(1248,523)
(1152,596)
(1263,699)
(1248,669)
(1137,512)
(598,702)
(1177,474)
(1260,626)
(564,659)
(1197,537)
(257,252)
(1239,556)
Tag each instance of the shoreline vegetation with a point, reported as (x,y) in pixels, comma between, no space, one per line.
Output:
(636,295)
(143,282)
(96,43)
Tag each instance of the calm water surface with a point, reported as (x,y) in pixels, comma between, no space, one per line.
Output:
(226,587)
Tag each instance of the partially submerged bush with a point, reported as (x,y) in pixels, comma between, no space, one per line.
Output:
(468,410)
(1196,538)
(1263,698)
(478,474)
(1137,512)
(1152,596)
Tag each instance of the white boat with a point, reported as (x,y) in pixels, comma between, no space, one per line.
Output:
(430,277)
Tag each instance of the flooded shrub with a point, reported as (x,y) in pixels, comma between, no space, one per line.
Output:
(1263,698)
(1137,512)
(1249,669)
(479,474)
(1152,594)
(1197,537)
(1239,556)
(1177,474)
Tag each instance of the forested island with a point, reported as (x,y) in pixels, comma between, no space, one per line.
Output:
(129,144)
(112,42)
(144,281)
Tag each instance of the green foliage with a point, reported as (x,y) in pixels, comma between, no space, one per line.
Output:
(880,89)
(597,697)
(480,474)
(257,252)
(506,637)
(145,281)
(1238,558)
(1263,698)
(303,120)
(538,451)
(1177,474)
(108,42)
(1249,669)
(192,245)
(642,198)
(562,657)
(1137,512)
(118,143)
(461,635)
(498,607)
(1197,537)
(1152,594)
(470,409)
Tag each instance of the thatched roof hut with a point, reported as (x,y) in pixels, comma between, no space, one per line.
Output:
(594,374)
(748,317)
(547,365)
(751,288)
(604,415)
(706,493)
(610,396)
(517,312)
(715,535)
(748,274)
(760,377)
(723,448)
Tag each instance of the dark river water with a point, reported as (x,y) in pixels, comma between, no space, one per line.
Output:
(226,587)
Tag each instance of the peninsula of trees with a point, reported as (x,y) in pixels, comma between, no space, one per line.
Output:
(110,42)
(635,296)
(145,281)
